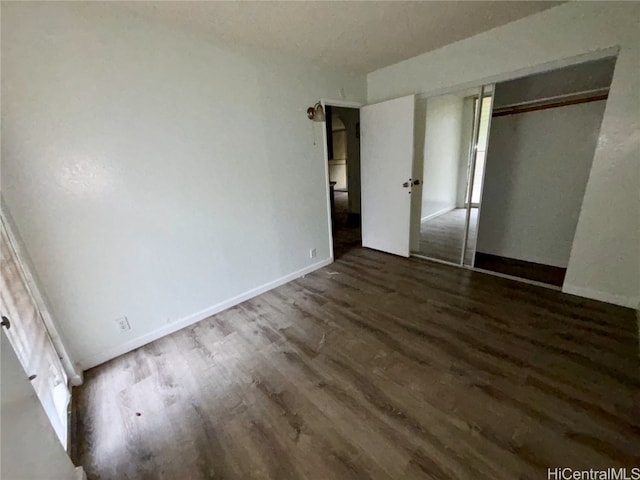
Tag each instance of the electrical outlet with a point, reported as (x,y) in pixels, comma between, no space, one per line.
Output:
(312,253)
(123,324)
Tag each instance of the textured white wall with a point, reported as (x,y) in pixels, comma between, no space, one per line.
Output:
(605,255)
(443,134)
(536,174)
(146,172)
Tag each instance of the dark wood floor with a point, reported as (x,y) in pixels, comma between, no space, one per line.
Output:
(375,367)
(347,233)
(522,269)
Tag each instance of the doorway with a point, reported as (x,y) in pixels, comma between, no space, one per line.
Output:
(343,154)
(24,327)
(544,131)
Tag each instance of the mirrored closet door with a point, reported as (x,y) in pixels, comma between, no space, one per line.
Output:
(504,170)
(451,133)
(475,177)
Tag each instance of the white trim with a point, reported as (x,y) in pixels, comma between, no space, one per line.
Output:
(434,260)
(110,353)
(484,171)
(71,368)
(79,474)
(438,213)
(340,103)
(327,181)
(523,72)
(622,300)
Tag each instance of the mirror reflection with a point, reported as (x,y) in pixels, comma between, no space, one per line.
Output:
(451,139)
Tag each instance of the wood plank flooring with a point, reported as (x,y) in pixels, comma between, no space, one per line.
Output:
(347,234)
(442,237)
(522,269)
(375,367)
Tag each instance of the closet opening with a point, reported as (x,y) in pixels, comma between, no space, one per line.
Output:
(544,132)
(503,171)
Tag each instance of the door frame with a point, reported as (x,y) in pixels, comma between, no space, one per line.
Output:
(333,103)
(613,51)
(473,157)
(522,72)
(73,371)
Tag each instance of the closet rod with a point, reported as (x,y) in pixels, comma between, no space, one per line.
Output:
(553,102)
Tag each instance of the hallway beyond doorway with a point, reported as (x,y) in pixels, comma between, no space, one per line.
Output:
(347,234)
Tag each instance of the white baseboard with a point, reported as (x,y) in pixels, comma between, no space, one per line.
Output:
(438,213)
(114,352)
(622,300)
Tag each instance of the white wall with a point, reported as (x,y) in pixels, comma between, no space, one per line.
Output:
(443,133)
(28,445)
(536,173)
(145,169)
(605,255)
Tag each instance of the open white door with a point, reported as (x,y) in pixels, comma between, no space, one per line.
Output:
(386,161)
(27,334)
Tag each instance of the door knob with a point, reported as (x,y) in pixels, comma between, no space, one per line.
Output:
(416,182)
(406,184)
(5,322)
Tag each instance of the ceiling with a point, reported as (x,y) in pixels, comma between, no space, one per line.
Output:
(358,36)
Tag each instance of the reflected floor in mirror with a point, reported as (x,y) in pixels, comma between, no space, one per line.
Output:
(441,237)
